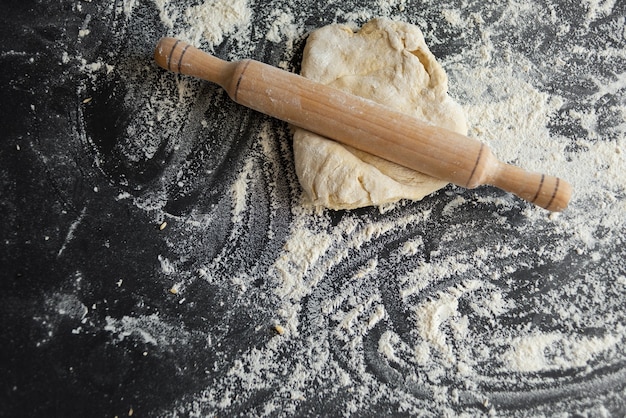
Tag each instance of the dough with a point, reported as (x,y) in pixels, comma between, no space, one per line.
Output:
(387,62)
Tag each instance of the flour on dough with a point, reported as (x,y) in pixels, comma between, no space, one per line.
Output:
(389,63)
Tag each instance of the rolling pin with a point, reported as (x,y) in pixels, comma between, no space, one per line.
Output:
(363,124)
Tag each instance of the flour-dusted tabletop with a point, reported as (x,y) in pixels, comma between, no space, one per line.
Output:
(159,258)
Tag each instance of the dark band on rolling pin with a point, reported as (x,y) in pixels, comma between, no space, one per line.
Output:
(556,189)
(182,54)
(543,177)
(169,56)
(480,154)
(239,80)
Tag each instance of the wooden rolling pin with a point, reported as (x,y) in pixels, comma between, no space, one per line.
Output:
(363,124)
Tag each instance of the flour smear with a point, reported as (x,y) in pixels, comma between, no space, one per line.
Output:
(467,303)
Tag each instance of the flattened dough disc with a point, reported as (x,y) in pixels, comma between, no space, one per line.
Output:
(389,63)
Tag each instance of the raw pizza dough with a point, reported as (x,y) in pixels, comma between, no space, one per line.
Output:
(389,63)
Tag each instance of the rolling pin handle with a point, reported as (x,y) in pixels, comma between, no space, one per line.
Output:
(548,192)
(182,58)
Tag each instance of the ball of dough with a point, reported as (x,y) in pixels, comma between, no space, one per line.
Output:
(388,62)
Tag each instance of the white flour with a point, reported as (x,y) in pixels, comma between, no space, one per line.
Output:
(504,306)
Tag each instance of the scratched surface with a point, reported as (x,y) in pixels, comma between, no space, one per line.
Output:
(139,279)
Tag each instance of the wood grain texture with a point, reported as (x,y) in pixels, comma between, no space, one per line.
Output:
(363,124)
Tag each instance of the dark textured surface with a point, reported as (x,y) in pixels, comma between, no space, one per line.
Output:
(82,252)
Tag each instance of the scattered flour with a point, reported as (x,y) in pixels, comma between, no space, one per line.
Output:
(212,20)
(554,351)
(466,299)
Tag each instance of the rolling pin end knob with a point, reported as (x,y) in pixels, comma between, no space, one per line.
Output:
(180,57)
(548,192)
(169,54)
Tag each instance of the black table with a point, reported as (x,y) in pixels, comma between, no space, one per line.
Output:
(139,280)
